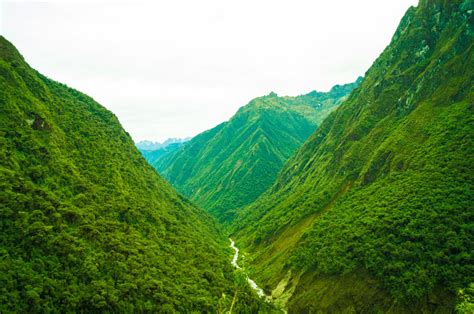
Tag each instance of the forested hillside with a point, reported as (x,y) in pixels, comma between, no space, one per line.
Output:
(86,224)
(375,211)
(230,165)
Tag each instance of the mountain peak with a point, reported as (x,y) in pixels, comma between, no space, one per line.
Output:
(151,145)
(379,190)
(222,169)
(8,52)
(87,224)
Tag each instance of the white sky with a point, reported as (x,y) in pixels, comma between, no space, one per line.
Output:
(176,68)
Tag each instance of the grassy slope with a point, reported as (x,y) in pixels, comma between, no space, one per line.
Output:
(381,194)
(86,223)
(232,164)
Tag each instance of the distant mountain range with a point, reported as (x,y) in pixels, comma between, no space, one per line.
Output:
(154,151)
(150,145)
(230,165)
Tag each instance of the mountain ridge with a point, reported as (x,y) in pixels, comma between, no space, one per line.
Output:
(87,224)
(147,145)
(228,166)
(346,208)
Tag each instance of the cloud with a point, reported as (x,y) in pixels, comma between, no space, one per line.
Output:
(176,68)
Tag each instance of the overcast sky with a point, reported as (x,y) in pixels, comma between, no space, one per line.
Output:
(176,68)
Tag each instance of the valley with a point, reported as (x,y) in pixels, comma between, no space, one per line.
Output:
(359,199)
(230,165)
(252,283)
(357,209)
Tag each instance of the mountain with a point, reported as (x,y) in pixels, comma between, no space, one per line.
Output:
(374,213)
(86,224)
(232,164)
(153,156)
(151,146)
(153,151)
(148,145)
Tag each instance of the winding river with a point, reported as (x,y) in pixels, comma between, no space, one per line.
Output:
(252,283)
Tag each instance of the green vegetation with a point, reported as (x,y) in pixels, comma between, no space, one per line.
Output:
(466,300)
(230,165)
(373,213)
(86,224)
(382,193)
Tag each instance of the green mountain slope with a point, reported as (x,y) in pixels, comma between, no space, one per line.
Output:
(86,224)
(232,164)
(375,210)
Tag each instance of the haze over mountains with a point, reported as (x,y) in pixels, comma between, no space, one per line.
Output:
(358,200)
(151,146)
(153,151)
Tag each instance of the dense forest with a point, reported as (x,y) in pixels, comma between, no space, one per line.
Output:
(355,200)
(375,211)
(230,165)
(86,224)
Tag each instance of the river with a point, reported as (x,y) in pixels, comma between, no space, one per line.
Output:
(252,283)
